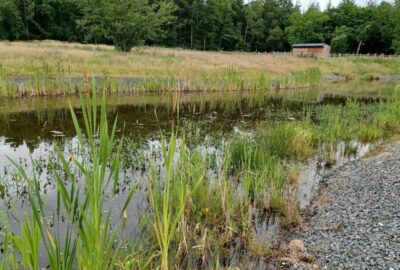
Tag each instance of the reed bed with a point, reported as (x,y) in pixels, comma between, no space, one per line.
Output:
(50,83)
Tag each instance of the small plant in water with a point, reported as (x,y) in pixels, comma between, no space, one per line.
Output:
(167,201)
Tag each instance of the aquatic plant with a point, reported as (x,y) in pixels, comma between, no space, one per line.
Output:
(245,154)
(28,243)
(368,133)
(287,140)
(49,80)
(89,237)
(168,201)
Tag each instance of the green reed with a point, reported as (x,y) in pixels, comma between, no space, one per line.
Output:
(168,203)
(287,140)
(53,81)
(28,243)
(89,242)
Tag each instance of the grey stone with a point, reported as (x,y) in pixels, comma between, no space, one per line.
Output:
(365,197)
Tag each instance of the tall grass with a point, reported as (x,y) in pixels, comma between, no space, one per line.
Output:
(50,82)
(95,242)
(287,140)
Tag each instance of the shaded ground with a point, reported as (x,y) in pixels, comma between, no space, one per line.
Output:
(355,222)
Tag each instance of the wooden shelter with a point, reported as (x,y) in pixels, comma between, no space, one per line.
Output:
(312,50)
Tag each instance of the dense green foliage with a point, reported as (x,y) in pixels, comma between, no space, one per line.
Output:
(259,25)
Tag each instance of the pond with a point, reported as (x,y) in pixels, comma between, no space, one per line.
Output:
(204,122)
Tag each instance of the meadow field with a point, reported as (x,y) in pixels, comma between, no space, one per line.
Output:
(55,68)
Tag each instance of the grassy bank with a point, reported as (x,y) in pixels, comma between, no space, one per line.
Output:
(198,212)
(55,68)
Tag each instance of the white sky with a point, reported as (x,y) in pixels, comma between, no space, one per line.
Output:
(324,3)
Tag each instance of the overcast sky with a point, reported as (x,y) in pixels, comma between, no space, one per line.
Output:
(324,3)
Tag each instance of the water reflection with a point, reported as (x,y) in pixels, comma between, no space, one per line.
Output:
(29,128)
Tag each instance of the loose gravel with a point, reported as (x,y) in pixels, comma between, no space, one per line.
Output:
(355,222)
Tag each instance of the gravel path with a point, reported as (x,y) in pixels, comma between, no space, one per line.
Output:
(355,222)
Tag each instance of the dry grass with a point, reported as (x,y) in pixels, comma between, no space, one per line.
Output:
(291,213)
(293,176)
(71,59)
(21,58)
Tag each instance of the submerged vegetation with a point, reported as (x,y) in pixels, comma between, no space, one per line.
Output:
(199,206)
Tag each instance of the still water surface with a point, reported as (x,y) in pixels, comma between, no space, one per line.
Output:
(30,127)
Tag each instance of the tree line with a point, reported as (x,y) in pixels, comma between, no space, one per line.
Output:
(258,25)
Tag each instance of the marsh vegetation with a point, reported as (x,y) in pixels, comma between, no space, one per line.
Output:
(181,183)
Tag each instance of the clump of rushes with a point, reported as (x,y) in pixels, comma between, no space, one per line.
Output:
(331,127)
(245,154)
(368,133)
(287,140)
(261,172)
(388,116)
(301,79)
